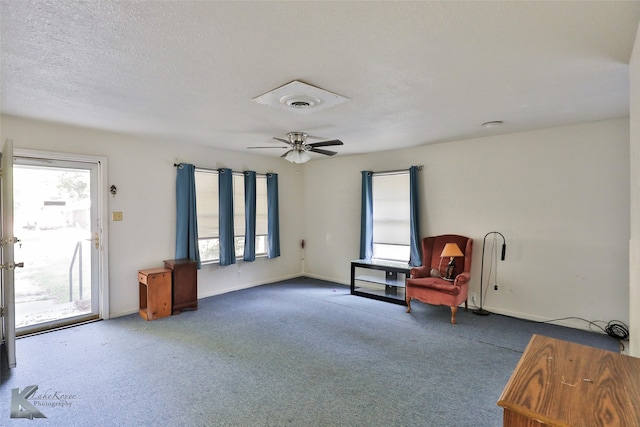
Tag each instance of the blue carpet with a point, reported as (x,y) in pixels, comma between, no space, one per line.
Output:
(302,352)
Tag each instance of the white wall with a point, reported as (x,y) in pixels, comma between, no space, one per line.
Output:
(144,173)
(634,242)
(560,196)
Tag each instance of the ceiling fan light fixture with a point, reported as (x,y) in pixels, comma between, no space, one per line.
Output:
(297,156)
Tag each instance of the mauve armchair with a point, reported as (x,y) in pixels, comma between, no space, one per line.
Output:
(432,288)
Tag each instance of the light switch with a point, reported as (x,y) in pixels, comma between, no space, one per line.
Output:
(116,216)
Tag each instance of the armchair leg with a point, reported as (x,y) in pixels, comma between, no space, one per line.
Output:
(454,310)
(466,305)
(408,305)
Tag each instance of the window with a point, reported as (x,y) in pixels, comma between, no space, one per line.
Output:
(207,213)
(238,213)
(261,215)
(391,216)
(208,218)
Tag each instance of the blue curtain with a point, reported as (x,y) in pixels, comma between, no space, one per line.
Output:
(273,217)
(415,259)
(225,211)
(366,216)
(249,216)
(187,220)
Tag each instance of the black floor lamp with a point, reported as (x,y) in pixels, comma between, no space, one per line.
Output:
(481,311)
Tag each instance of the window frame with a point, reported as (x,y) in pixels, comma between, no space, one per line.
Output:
(261,239)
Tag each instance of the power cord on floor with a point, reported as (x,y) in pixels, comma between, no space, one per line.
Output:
(617,330)
(614,328)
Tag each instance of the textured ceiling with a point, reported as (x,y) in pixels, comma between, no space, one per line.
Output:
(414,72)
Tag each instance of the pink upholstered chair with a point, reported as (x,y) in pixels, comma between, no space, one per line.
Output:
(431,288)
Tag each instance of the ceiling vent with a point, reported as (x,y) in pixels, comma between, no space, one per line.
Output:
(300,98)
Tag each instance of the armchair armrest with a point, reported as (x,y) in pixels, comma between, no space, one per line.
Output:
(418,272)
(462,279)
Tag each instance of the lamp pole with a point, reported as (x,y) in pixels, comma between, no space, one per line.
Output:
(481,311)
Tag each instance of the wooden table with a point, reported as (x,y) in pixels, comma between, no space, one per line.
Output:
(559,383)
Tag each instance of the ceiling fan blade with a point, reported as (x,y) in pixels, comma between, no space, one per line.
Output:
(325,152)
(283,140)
(285,154)
(326,143)
(249,148)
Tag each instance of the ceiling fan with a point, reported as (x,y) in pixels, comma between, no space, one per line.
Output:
(298,147)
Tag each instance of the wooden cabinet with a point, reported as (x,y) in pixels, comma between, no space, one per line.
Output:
(155,293)
(559,383)
(185,284)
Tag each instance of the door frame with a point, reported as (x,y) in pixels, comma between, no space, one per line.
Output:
(8,332)
(102,212)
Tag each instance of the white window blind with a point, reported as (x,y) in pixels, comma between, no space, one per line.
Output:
(238,204)
(207,203)
(391,216)
(261,206)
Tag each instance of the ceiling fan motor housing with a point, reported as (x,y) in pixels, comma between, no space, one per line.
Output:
(297,137)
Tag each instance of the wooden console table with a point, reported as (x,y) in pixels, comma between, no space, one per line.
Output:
(559,383)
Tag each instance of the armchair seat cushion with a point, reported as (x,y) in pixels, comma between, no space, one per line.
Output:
(439,285)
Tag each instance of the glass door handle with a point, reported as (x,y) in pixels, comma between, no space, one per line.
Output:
(96,240)
(11,266)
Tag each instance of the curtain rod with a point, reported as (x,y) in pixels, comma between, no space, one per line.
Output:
(179,166)
(395,171)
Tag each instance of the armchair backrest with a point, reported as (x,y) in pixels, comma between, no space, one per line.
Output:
(432,248)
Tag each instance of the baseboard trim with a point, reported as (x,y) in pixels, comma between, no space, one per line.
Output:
(568,321)
(327,279)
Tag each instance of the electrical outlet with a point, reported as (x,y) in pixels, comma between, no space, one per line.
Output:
(473,297)
(495,287)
